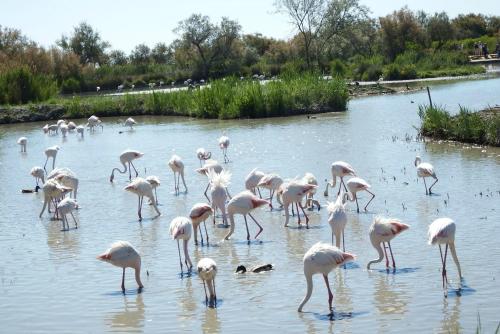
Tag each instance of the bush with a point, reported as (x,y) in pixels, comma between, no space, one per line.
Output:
(338,69)
(70,85)
(20,85)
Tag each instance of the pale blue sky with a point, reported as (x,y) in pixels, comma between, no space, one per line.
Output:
(127,23)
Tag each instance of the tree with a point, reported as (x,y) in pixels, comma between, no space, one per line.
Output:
(117,57)
(470,25)
(161,54)
(86,43)
(439,28)
(141,55)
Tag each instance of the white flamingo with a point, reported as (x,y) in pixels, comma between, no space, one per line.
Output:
(218,192)
(66,177)
(273,183)
(425,169)
(203,155)
(200,213)
(155,183)
(142,188)
(293,192)
(252,181)
(52,192)
(51,152)
(322,259)
(175,163)
(64,129)
(337,219)
(71,126)
(309,178)
(130,122)
(126,158)
(122,254)
(224,144)
(93,122)
(207,270)
(39,174)
(243,204)
(23,141)
(80,130)
(442,232)
(181,229)
(356,184)
(210,165)
(339,169)
(65,207)
(51,129)
(382,231)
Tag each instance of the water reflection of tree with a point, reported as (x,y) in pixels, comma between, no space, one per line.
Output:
(132,315)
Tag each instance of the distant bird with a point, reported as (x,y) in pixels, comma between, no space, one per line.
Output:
(130,122)
(200,213)
(356,184)
(51,152)
(127,157)
(252,181)
(60,122)
(53,128)
(22,142)
(309,178)
(142,188)
(218,192)
(93,122)
(66,177)
(425,169)
(97,89)
(119,88)
(273,183)
(45,128)
(207,270)
(181,229)
(442,231)
(122,254)
(71,126)
(64,129)
(382,231)
(210,165)
(154,181)
(80,130)
(175,163)
(52,192)
(322,259)
(337,219)
(65,207)
(224,144)
(243,204)
(39,174)
(292,193)
(203,155)
(339,169)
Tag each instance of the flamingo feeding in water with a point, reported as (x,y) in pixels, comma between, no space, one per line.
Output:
(382,231)
(356,184)
(64,129)
(309,178)
(207,270)
(154,181)
(252,181)
(337,219)
(339,169)
(272,182)
(293,192)
(122,254)
(203,155)
(65,207)
(425,169)
(51,152)
(224,144)
(80,130)
(39,174)
(52,192)
(242,204)
(127,157)
(218,192)
(130,122)
(200,213)
(22,142)
(93,122)
(71,126)
(322,258)
(181,229)
(442,232)
(210,165)
(66,177)
(175,163)
(142,188)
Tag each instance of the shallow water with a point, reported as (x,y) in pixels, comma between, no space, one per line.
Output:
(51,281)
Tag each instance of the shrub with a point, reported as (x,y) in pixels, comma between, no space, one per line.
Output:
(70,85)
(20,85)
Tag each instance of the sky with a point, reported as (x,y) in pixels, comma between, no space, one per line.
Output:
(127,23)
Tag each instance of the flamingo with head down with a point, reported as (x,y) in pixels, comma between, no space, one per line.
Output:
(126,158)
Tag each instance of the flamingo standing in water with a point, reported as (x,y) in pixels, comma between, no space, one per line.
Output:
(66,177)
(322,259)
(293,192)
(64,129)
(224,144)
(51,152)
(355,185)
(122,254)
(200,213)
(80,130)
(71,126)
(39,174)
(142,188)
(309,178)
(127,157)
(210,165)
(207,270)
(337,218)
(252,181)
(22,142)
(442,232)
(218,192)
(93,122)
(65,207)
(339,169)
(181,229)
(425,169)
(272,182)
(177,166)
(382,231)
(52,192)
(154,181)
(242,204)
(203,155)
(130,122)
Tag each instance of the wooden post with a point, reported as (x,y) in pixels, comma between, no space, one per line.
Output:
(429,93)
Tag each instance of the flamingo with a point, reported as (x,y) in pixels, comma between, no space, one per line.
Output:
(218,192)
(339,169)
(175,163)
(242,204)
(127,157)
(154,181)
(252,181)
(53,128)
(71,126)
(382,231)
(80,129)
(208,166)
(122,254)
(142,188)
(60,122)
(180,229)
(64,129)
(273,183)
(309,178)
(22,142)
(293,192)
(39,174)
(207,270)
(94,121)
(337,218)
(97,89)
(203,155)
(322,258)
(130,122)
(224,144)
(66,177)
(442,231)
(425,169)
(355,185)
(45,128)
(200,213)
(52,191)
(65,207)
(51,152)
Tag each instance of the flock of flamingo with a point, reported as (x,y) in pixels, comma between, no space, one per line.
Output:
(321,258)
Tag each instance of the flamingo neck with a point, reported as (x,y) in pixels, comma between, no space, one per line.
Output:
(455,258)
(309,283)
(138,276)
(378,247)
(231,226)
(119,171)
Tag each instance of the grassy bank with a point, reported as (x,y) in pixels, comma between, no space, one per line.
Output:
(482,127)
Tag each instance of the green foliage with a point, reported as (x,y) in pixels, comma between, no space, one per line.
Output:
(20,85)
(70,85)
(338,68)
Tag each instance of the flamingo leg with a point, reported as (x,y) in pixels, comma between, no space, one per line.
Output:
(180,260)
(123,280)
(215,294)
(373,196)
(392,255)
(385,253)
(271,194)
(205,193)
(332,238)
(139,207)
(260,227)
(445,276)
(178,182)
(129,172)
(246,224)
(343,242)
(135,170)
(258,189)
(205,288)
(430,192)
(206,233)
(330,294)
(357,205)
(46,160)
(305,215)
(425,184)
(156,197)
(76,223)
(175,184)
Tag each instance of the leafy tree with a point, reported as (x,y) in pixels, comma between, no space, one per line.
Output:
(141,55)
(470,25)
(117,57)
(439,28)
(86,43)
(161,54)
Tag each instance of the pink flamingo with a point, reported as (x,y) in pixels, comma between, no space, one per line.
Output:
(309,178)
(181,229)
(208,166)
(154,181)
(293,192)
(355,185)
(175,163)
(224,144)
(51,152)
(142,188)
(39,174)
(127,157)
(382,231)
(203,155)
(200,213)
(273,183)
(337,219)
(65,207)
(23,141)
(207,270)
(242,204)
(52,192)
(339,169)
(425,169)
(218,192)
(252,181)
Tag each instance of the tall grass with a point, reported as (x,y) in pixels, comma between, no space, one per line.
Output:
(20,85)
